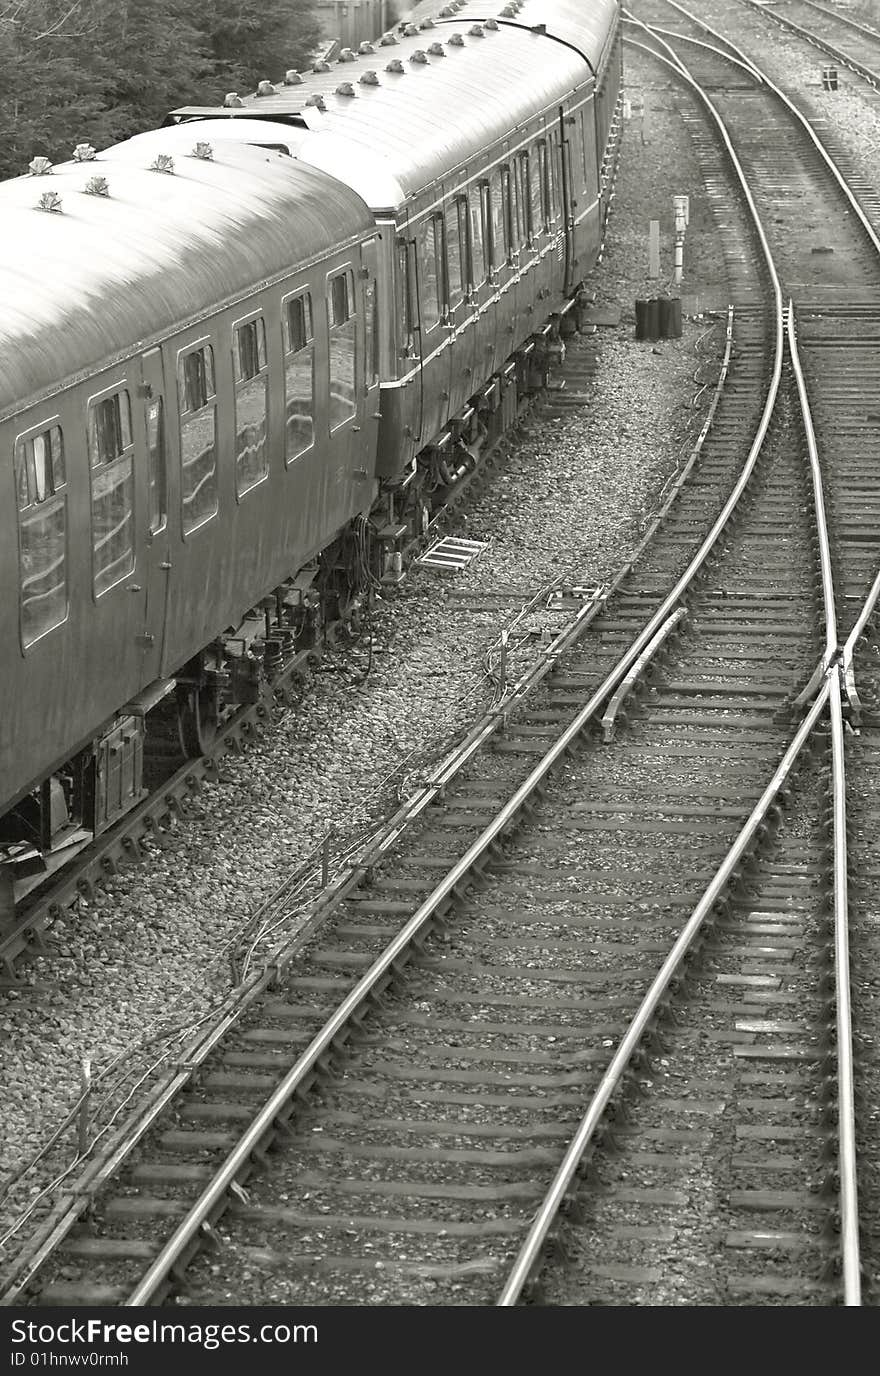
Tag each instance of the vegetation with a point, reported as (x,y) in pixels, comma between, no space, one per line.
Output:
(96,71)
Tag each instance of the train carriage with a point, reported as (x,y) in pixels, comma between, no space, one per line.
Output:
(481,145)
(172,441)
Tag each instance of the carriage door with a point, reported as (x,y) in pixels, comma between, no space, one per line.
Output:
(157,563)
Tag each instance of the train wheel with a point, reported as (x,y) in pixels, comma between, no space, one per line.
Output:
(197,720)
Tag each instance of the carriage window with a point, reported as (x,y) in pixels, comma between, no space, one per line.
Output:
(430,259)
(342,323)
(110,458)
(500,216)
(591,175)
(478,205)
(198,424)
(251,399)
(406,315)
(299,376)
(508,197)
(42,532)
(371,333)
(157,476)
(541,191)
(524,198)
(456,254)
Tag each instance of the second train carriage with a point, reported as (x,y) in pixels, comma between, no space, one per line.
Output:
(481,145)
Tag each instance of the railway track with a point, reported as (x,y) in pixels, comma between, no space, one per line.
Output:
(646,922)
(851,43)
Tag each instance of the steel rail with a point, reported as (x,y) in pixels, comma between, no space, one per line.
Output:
(818,496)
(849,1214)
(628,683)
(847,664)
(543,1221)
(846,1113)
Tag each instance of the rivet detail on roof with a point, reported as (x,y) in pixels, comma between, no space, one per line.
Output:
(292,77)
(419,56)
(50,200)
(163,162)
(437,50)
(369,78)
(265,88)
(203,151)
(345,88)
(84,152)
(97,186)
(395,65)
(40,167)
(232,98)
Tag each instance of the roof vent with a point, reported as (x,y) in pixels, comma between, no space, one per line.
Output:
(456,41)
(97,186)
(388,40)
(345,88)
(320,66)
(369,78)
(40,167)
(437,50)
(317,101)
(419,56)
(366,47)
(292,77)
(265,88)
(84,152)
(50,200)
(346,55)
(203,151)
(232,98)
(395,65)
(476,31)
(163,162)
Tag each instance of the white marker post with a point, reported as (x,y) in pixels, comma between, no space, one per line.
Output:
(681,210)
(654,248)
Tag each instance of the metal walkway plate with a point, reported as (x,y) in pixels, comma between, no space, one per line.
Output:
(451,553)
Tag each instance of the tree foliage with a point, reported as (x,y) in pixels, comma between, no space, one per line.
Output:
(97,71)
